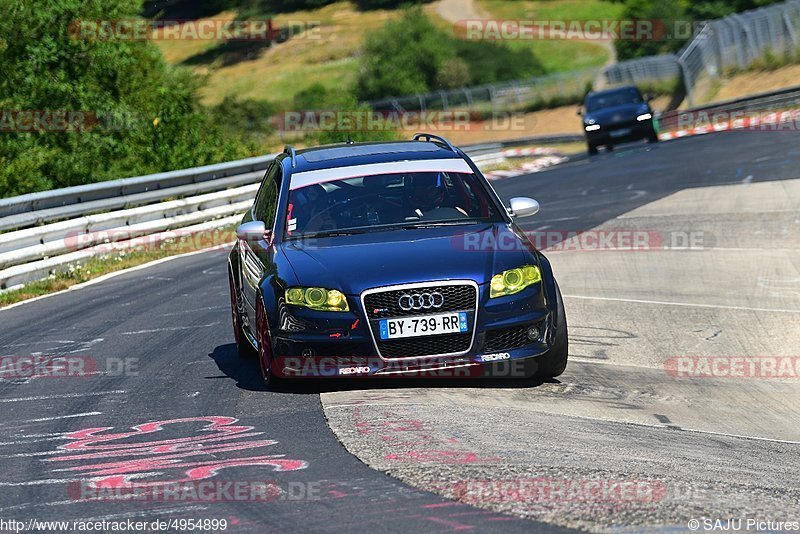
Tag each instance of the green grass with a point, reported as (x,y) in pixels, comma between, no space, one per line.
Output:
(553,9)
(278,73)
(558,55)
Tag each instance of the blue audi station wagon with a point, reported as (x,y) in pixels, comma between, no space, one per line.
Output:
(391,259)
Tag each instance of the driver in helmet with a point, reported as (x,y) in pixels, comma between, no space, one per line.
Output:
(428,192)
(311,209)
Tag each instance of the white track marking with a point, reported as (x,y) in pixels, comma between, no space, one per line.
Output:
(65,396)
(55,418)
(147,512)
(683,304)
(682,429)
(34,505)
(23,441)
(183,313)
(169,329)
(43,482)
(73,501)
(33,454)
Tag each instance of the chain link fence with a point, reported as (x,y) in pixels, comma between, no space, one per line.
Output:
(719,46)
(506,96)
(736,42)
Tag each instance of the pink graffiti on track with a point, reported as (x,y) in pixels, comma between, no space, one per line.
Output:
(418,443)
(134,462)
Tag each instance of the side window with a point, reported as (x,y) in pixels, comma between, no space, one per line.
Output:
(267,198)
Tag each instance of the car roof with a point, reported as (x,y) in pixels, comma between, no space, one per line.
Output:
(348,154)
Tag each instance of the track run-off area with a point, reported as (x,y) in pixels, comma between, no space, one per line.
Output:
(681,401)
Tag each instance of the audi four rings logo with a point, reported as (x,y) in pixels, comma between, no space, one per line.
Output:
(421,301)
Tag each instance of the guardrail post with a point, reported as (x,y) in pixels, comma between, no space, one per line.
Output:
(687,82)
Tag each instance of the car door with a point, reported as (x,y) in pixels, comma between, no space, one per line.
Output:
(257,256)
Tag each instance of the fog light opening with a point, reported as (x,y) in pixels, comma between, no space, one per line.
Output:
(533,333)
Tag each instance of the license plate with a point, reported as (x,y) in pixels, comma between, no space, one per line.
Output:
(620,133)
(424,325)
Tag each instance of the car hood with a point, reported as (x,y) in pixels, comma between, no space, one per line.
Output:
(355,263)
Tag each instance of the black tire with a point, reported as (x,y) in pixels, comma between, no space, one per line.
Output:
(264,353)
(243,346)
(653,137)
(609,148)
(553,362)
(592,149)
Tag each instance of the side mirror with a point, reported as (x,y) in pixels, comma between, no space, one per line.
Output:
(648,97)
(579,112)
(523,207)
(252,231)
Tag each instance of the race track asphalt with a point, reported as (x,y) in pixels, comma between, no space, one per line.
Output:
(155,346)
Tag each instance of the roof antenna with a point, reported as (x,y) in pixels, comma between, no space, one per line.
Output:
(349,140)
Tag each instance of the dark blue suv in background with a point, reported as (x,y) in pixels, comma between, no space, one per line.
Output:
(617,116)
(391,259)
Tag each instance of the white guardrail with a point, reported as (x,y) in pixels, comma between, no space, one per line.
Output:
(47,232)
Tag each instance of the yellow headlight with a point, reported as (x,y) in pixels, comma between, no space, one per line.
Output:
(514,280)
(294,295)
(336,298)
(317,298)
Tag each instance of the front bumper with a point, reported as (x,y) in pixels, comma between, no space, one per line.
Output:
(621,133)
(341,345)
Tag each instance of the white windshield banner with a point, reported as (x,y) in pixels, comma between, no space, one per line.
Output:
(303,179)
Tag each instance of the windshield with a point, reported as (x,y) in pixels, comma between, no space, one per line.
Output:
(629,95)
(364,203)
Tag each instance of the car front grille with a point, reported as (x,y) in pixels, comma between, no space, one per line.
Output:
(458,296)
(385,304)
(425,346)
(506,338)
(622,124)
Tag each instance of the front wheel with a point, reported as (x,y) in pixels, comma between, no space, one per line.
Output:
(243,346)
(265,359)
(554,362)
(592,149)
